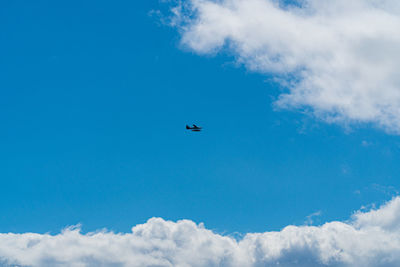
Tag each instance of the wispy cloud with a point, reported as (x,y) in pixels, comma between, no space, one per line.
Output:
(337,59)
(311,218)
(369,238)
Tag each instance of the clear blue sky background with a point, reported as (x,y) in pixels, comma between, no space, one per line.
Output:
(94,100)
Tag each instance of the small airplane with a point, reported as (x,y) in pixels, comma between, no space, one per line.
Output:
(194,128)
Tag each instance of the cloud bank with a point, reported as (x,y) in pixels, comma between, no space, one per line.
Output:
(368,239)
(338,59)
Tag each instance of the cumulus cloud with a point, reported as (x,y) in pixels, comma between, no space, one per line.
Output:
(338,59)
(369,238)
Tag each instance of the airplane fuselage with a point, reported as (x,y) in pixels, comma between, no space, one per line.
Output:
(194,128)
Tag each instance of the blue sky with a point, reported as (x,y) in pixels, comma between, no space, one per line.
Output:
(94,101)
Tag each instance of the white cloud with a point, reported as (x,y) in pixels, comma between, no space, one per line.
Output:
(338,58)
(369,239)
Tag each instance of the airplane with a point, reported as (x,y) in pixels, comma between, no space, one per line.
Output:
(195,128)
